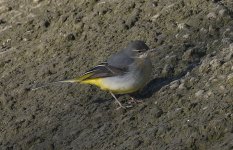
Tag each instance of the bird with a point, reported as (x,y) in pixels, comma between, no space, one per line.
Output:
(124,72)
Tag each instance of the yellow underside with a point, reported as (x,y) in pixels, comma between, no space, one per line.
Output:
(99,82)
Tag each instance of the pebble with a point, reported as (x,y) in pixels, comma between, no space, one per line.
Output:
(204,108)
(182,86)
(204,68)
(154,18)
(204,31)
(222,12)
(212,78)
(167,70)
(188,54)
(157,112)
(228,57)
(174,84)
(192,80)
(222,77)
(4,9)
(230,76)
(211,15)
(37,1)
(186,36)
(231,47)
(70,37)
(199,93)
(215,63)
(226,41)
(222,87)
(46,23)
(209,93)
(182,26)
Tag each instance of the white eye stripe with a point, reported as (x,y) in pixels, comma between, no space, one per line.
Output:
(136,50)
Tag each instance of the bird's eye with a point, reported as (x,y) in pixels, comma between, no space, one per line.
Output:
(141,51)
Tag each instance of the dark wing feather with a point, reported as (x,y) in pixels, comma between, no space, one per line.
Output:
(100,71)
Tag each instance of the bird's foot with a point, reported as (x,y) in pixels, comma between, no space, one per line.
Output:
(121,106)
(134,101)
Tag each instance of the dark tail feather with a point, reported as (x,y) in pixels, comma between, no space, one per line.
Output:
(52,83)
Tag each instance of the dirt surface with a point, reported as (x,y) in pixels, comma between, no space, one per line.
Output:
(187,105)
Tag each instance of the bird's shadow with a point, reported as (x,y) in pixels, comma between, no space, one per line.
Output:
(157,83)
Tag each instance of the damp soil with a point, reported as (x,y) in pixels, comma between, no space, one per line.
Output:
(188,104)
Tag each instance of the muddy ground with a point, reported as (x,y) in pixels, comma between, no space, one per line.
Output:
(187,105)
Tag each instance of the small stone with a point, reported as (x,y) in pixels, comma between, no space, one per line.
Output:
(222,77)
(199,93)
(70,37)
(222,87)
(204,108)
(155,17)
(2,21)
(228,57)
(182,26)
(183,80)
(204,31)
(187,75)
(226,41)
(157,112)
(209,93)
(214,80)
(192,80)
(167,70)
(46,23)
(211,29)
(186,36)
(37,1)
(207,84)
(211,15)
(231,47)
(3,9)
(174,84)
(181,86)
(215,63)
(204,67)
(222,12)
(188,54)
(230,76)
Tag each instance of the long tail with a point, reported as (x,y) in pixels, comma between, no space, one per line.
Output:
(52,83)
(75,80)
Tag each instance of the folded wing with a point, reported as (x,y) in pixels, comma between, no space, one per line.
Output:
(100,71)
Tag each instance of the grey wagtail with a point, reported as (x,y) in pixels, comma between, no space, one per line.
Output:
(125,72)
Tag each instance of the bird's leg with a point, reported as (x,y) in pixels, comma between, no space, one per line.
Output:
(118,102)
